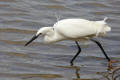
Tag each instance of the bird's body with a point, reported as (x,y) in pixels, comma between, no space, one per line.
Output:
(76,30)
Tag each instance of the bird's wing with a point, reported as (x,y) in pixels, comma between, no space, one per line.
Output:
(75,28)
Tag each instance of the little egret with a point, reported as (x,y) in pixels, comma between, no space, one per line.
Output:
(75,30)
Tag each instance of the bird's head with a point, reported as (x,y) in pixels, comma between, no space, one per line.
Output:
(42,31)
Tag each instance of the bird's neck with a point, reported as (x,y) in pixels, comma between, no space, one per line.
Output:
(52,37)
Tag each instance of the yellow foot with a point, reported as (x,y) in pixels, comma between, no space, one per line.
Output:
(110,64)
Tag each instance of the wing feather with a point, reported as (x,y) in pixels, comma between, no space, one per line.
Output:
(75,28)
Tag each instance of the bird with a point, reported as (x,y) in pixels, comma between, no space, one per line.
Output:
(77,30)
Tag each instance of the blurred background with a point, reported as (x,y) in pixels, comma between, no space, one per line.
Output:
(19,21)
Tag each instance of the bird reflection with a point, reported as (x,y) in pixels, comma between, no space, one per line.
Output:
(77,72)
(116,73)
(113,74)
(77,69)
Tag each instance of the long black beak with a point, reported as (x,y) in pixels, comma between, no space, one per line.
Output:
(33,38)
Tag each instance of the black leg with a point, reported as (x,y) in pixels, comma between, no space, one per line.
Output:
(98,43)
(79,50)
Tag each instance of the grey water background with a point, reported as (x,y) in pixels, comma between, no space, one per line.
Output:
(19,21)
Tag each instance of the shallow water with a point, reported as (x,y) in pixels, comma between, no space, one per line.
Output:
(19,20)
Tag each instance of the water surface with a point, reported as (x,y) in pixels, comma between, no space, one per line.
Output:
(20,19)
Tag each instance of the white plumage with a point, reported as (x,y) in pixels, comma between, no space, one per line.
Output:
(74,29)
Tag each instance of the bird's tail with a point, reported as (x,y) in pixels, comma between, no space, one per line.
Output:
(105,19)
(105,25)
(107,28)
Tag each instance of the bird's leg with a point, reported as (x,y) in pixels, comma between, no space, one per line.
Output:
(79,50)
(109,60)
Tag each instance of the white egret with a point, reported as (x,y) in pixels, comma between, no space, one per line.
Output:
(75,30)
